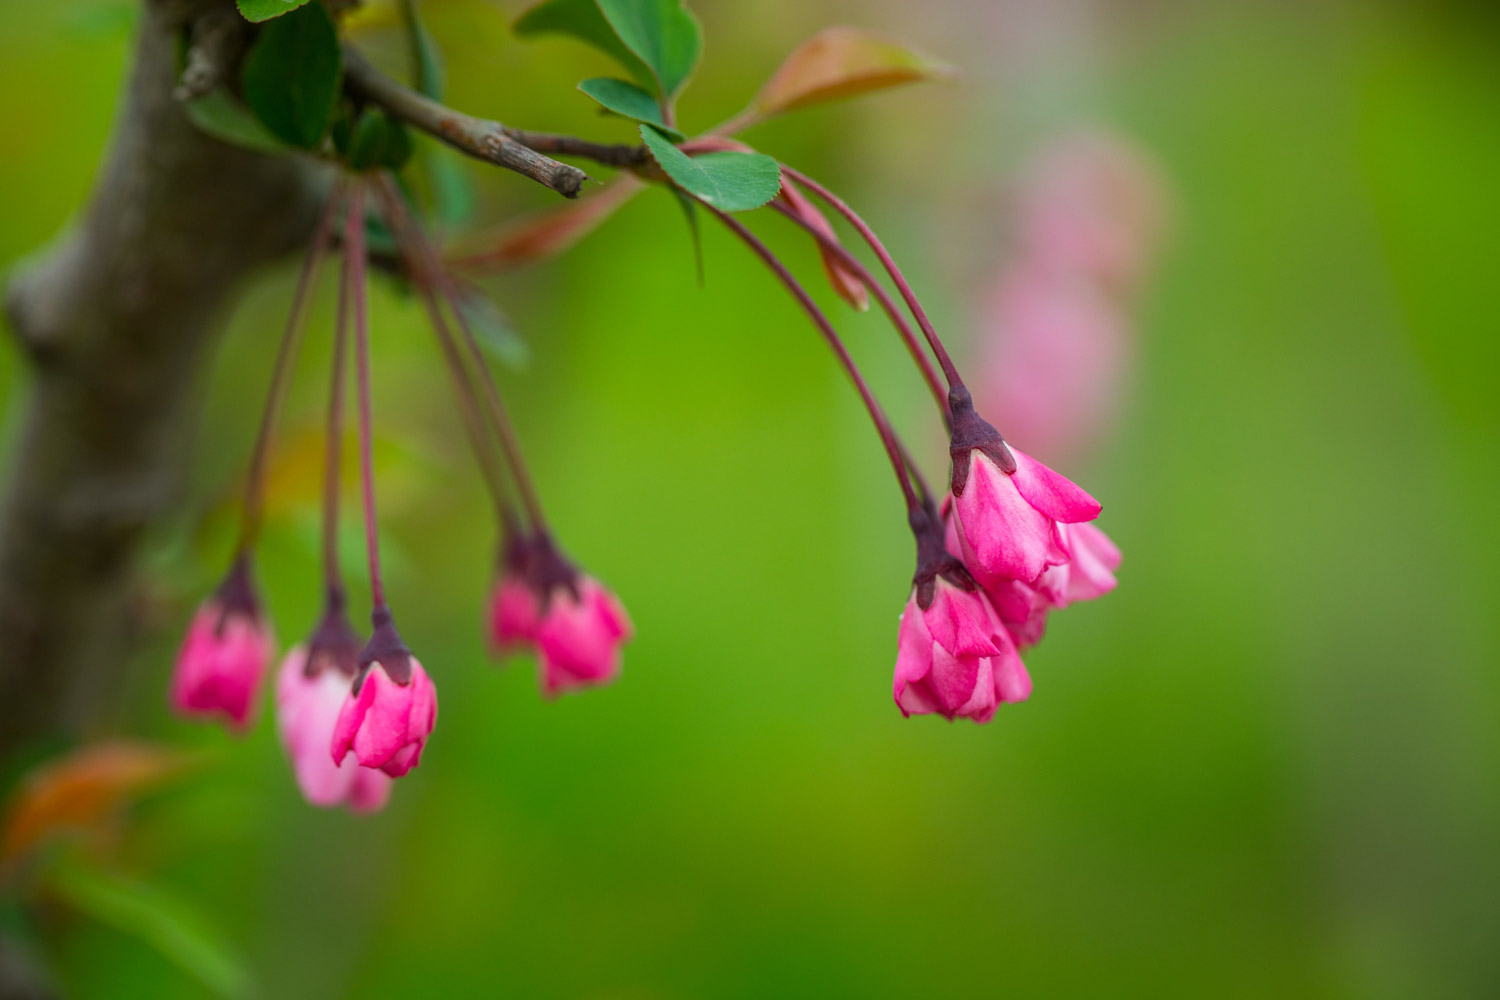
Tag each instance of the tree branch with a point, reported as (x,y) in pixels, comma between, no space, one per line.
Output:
(115,320)
(485,140)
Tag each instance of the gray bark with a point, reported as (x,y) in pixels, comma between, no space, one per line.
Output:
(115,320)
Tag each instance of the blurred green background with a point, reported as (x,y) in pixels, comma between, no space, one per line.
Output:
(1269,764)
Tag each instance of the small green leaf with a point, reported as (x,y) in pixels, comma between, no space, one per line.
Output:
(663,33)
(730,182)
(491,327)
(582,20)
(291,75)
(690,211)
(629,100)
(264,10)
(158,918)
(427,61)
(223,116)
(378,141)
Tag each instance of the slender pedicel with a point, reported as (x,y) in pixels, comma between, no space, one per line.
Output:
(882,425)
(853,264)
(500,420)
(334,442)
(468,402)
(354,259)
(859,224)
(286,352)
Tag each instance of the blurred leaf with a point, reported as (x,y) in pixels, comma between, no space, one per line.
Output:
(160,919)
(690,210)
(264,10)
(629,100)
(842,62)
(378,142)
(583,20)
(291,75)
(102,18)
(81,789)
(845,282)
(663,33)
(549,232)
(427,61)
(730,182)
(223,116)
(491,327)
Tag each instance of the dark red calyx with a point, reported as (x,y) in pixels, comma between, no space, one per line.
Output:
(386,648)
(334,644)
(971,433)
(236,593)
(934,560)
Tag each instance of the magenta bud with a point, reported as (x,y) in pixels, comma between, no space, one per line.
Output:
(224,655)
(955,658)
(308,704)
(385,724)
(578,638)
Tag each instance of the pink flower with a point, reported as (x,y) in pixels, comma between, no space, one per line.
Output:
(954,656)
(1023,607)
(224,655)
(579,636)
(575,624)
(1007,506)
(390,712)
(514,611)
(307,708)
(1054,355)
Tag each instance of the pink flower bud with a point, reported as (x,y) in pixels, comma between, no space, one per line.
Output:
(307,708)
(224,655)
(579,636)
(386,723)
(955,658)
(1009,525)
(514,611)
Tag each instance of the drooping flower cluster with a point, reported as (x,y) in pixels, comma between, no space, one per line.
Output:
(1010,542)
(354,715)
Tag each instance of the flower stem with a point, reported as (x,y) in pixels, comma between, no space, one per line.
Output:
(838,204)
(333,444)
(354,261)
(500,421)
(853,264)
(882,426)
(286,352)
(468,401)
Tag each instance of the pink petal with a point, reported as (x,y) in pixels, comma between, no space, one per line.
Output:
(1052,493)
(1003,537)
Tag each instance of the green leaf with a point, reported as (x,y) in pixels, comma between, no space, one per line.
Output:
(427,61)
(378,142)
(291,75)
(158,918)
(663,33)
(690,211)
(730,182)
(223,116)
(629,100)
(491,327)
(264,10)
(582,20)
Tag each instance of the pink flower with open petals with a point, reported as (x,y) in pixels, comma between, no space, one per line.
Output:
(579,636)
(224,655)
(385,723)
(955,658)
(308,706)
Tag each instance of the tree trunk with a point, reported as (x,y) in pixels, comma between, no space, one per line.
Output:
(115,320)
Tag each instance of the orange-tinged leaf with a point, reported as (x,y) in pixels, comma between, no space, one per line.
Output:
(549,232)
(844,281)
(842,62)
(81,789)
